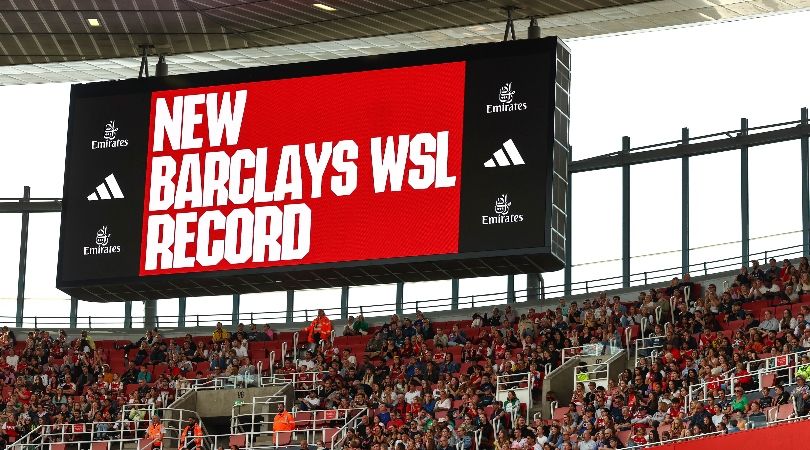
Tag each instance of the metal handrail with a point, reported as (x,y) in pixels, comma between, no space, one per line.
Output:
(470,301)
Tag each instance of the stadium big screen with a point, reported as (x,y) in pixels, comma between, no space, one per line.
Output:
(418,166)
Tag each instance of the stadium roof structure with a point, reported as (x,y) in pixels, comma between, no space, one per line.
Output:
(45,41)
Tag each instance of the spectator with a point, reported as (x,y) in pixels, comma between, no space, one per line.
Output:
(220,334)
(769,323)
(320,328)
(360,325)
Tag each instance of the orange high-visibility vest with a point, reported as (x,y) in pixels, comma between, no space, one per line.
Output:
(284,421)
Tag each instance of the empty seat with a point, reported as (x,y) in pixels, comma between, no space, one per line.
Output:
(237,440)
(282,438)
(784,411)
(328,433)
(303,419)
(623,436)
(100,446)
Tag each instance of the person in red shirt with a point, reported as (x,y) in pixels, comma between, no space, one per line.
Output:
(638,437)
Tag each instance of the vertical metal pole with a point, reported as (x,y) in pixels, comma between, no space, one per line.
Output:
(510,289)
(568,237)
(23,255)
(745,222)
(181,312)
(626,215)
(235,310)
(344,302)
(74,312)
(149,314)
(684,205)
(290,305)
(805,187)
(400,298)
(533,286)
(128,314)
(454,294)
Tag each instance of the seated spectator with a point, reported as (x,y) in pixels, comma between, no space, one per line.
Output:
(220,334)
(769,323)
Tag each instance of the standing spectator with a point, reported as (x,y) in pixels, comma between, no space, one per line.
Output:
(319,329)
(12,359)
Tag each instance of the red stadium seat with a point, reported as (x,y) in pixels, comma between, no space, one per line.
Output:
(303,419)
(237,440)
(623,436)
(784,411)
(282,438)
(100,446)
(328,433)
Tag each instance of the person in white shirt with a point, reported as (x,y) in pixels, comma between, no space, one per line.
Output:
(307,362)
(242,349)
(12,359)
(586,443)
(413,393)
(444,403)
(310,402)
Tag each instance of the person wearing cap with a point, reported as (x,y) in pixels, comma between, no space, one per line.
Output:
(155,432)
(283,421)
(191,436)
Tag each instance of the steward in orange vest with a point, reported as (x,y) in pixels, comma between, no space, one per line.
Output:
(191,436)
(284,421)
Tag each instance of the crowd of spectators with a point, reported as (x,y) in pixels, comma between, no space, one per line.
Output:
(83,392)
(432,385)
(422,397)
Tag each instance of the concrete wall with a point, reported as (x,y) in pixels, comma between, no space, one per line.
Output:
(561,382)
(219,402)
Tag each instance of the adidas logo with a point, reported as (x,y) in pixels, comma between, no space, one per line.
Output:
(107,190)
(506,156)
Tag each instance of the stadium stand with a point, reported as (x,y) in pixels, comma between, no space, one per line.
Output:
(705,362)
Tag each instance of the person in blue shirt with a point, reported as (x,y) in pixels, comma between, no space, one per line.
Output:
(384,415)
(429,404)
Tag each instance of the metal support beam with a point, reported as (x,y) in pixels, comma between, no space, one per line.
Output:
(181,312)
(626,215)
(23,258)
(744,206)
(35,205)
(235,310)
(677,150)
(74,312)
(454,295)
(510,289)
(400,298)
(685,204)
(344,302)
(128,314)
(290,305)
(150,319)
(568,214)
(534,289)
(805,186)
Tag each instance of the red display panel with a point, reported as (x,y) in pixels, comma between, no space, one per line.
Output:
(370,166)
